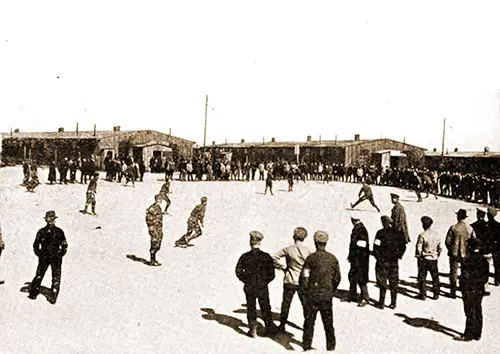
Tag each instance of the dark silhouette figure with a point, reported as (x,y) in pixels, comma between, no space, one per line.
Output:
(428,323)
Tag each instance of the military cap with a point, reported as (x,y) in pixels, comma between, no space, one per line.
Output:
(426,220)
(386,219)
(481,210)
(204,199)
(300,233)
(492,211)
(51,214)
(394,195)
(320,236)
(256,236)
(462,213)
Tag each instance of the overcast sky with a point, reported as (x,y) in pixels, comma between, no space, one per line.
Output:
(281,69)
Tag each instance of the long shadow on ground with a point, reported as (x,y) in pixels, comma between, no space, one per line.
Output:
(428,323)
(43,290)
(284,339)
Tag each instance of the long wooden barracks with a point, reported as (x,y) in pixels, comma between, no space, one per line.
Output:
(44,147)
(356,152)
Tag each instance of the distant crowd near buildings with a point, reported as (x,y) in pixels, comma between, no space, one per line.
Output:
(155,149)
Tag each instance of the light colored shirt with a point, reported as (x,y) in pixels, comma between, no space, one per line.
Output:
(295,257)
(428,245)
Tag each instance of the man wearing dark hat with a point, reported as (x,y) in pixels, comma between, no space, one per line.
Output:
(388,248)
(359,256)
(456,243)
(295,257)
(154,220)
(365,194)
(398,216)
(50,246)
(494,239)
(427,251)
(255,269)
(194,223)
(320,278)
(91,192)
(473,277)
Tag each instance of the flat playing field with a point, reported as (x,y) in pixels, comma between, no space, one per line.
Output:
(194,303)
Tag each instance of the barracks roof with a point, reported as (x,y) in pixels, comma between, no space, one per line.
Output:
(99,134)
(313,143)
(465,154)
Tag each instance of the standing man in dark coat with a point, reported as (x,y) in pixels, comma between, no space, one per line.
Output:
(365,194)
(50,246)
(398,216)
(494,238)
(320,278)
(388,248)
(359,257)
(256,270)
(473,277)
(52,172)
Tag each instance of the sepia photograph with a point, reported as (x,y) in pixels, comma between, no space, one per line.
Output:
(249,177)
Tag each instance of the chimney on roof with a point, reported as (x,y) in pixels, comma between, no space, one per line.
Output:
(116,128)
(60,130)
(95,129)
(169,131)
(308,138)
(320,138)
(226,141)
(213,142)
(16,130)
(242,141)
(434,150)
(486,149)
(77,128)
(273,140)
(455,150)
(356,137)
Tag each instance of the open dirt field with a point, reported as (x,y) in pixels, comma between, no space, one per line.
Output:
(193,303)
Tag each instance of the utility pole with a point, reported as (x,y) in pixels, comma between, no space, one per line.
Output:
(444,130)
(205,132)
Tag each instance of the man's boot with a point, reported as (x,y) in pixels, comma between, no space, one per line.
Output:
(252,333)
(394,295)
(381,299)
(421,286)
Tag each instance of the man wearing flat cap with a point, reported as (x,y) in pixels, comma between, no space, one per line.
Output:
(388,248)
(255,269)
(494,239)
(359,258)
(398,216)
(320,278)
(295,257)
(456,243)
(427,252)
(194,223)
(50,246)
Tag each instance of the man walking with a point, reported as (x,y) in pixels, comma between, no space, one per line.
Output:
(320,278)
(194,223)
(91,192)
(365,194)
(269,182)
(456,243)
(388,248)
(164,191)
(427,251)
(50,246)
(154,221)
(359,256)
(398,216)
(256,270)
(295,257)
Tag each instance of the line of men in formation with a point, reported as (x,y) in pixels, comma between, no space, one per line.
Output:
(316,276)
